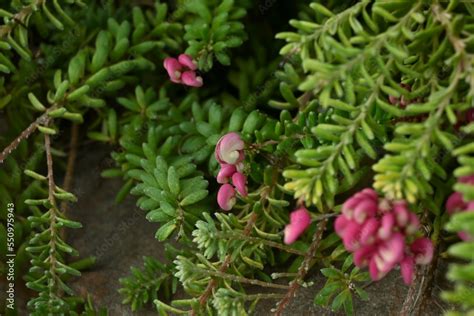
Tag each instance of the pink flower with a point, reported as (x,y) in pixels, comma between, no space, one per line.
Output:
(189,78)
(300,219)
(173,67)
(229,149)
(226,197)
(391,252)
(422,249)
(225,173)
(377,230)
(407,268)
(387,223)
(240,183)
(351,238)
(187,61)
(455,203)
(363,255)
(368,231)
(183,70)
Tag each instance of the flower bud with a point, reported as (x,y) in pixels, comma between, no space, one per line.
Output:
(189,78)
(240,183)
(187,61)
(226,197)
(229,149)
(300,219)
(407,269)
(225,173)
(173,67)
(422,249)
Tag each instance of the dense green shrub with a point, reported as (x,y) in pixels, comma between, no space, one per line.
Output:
(363,94)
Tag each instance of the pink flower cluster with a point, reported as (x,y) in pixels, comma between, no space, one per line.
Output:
(230,154)
(456,203)
(183,70)
(300,219)
(379,235)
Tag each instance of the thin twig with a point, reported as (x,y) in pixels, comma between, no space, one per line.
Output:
(52,216)
(256,240)
(225,265)
(19,18)
(303,269)
(24,135)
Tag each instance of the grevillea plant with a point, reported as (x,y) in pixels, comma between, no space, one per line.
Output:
(348,155)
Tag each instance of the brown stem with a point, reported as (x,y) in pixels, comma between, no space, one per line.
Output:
(19,18)
(225,265)
(420,289)
(303,269)
(24,135)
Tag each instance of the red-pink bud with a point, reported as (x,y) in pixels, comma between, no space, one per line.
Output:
(226,197)
(299,221)
(375,273)
(229,149)
(413,224)
(363,255)
(407,269)
(386,227)
(351,237)
(401,213)
(391,251)
(422,249)
(365,209)
(189,78)
(173,67)
(187,61)
(455,203)
(368,231)
(225,173)
(340,224)
(240,183)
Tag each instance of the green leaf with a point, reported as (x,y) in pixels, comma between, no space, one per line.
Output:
(165,231)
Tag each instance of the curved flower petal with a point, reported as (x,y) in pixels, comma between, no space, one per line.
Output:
(187,61)
(225,173)
(173,67)
(422,249)
(229,149)
(407,269)
(189,78)
(299,222)
(226,197)
(240,183)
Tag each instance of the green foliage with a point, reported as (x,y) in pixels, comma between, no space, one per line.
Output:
(143,286)
(319,122)
(340,286)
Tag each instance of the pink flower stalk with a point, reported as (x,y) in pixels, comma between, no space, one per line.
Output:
(300,219)
(226,197)
(183,70)
(225,173)
(240,183)
(456,203)
(229,149)
(379,233)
